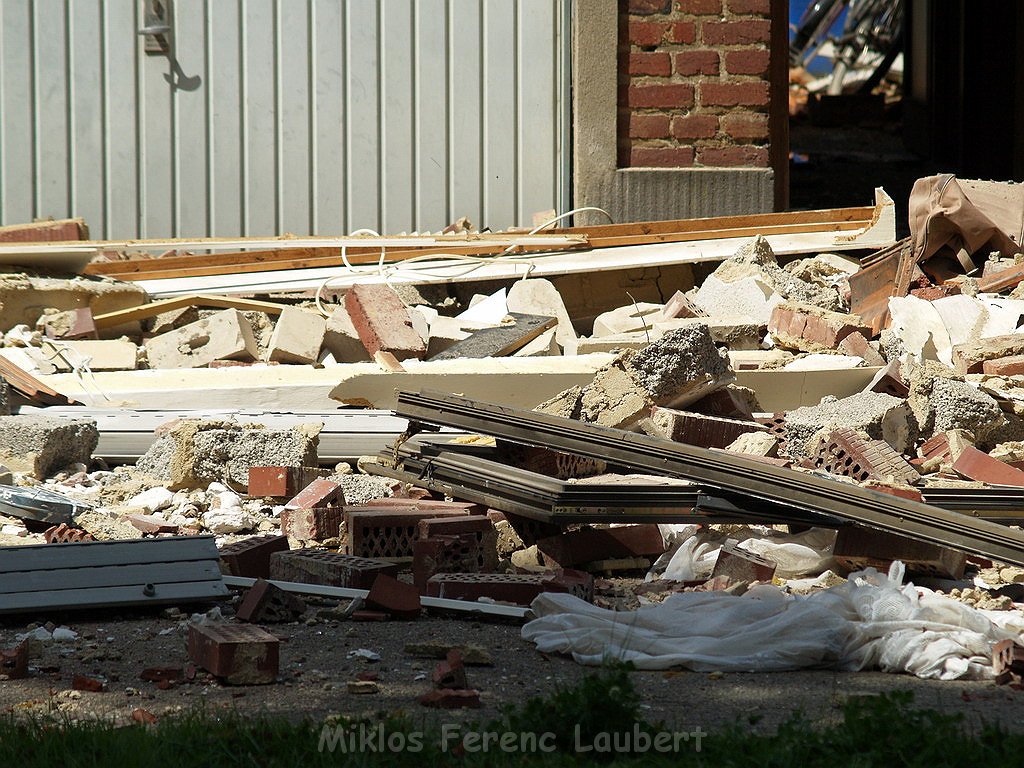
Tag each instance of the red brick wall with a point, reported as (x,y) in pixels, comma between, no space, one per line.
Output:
(694,86)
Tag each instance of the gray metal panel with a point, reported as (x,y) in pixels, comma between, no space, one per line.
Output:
(95,554)
(321,116)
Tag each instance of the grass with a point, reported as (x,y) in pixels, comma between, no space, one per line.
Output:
(883,730)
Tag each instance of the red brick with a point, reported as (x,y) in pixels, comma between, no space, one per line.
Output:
(700,7)
(382,321)
(683,32)
(696,62)
(251,557)
(970,357)
(736,32)
(889,381)
(319,566)
(478,525)
(695,127)
(84,683)
(746,127)
(451,673)
(753,61)
(1004,366)
(311,524)
(697,428)
(447,698)
(394,597)
(856,344)
(267,603)
(45,231)
(738,565)
(936,292)
(143,716)
(731,157)
(657,64)
(387,533)
(846,452)
(456,553)
(754,7)
(322,492)
(810,329)
(66,534)
(151,524)
(589,544)
(162,674)
(857,548)
(281,482)
(446,507)
(518,588)
(649,7)
(661,157)
(82,326)
(240,654)
(753,94)
(646,33)
(900,491)
(675,96)
(936,446)
(649,126)
(14,661)
(723,403)
(977,465)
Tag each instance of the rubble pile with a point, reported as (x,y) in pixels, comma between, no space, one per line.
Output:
(908,398)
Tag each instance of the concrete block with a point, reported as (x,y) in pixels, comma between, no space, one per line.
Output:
(23,298)
(540,297)
(738,565)
(696,428)
(941,401)
(755,444)
(239,654)
(812,329)
(266,603)
(882,417)
(857,548)
(565,404)
(387,534)
(342,340)
(971,356)
(544,345)
(382,322)
(517,588)
(627,319)
(676,370)
(98,355)
(225,335)
(43,445)
(616,342)
(586,545)
(738,332)
(311,524)
(748,297)
(282,482)
(297,338)
(393,597)
(318,566)
(192,453)
(251,557)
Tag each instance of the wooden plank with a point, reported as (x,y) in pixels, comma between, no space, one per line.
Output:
(715,234)
(103,553)
(121,316)
(60,578)
(68,599)
(500,341)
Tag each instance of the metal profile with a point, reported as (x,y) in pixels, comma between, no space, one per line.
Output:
(732,473)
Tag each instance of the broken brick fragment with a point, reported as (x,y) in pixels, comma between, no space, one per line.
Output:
(451,673)
(267,603)
(85,683)
(382,321)
(14,661)
(447,698)
(394,597)
(239,654)
(251,557)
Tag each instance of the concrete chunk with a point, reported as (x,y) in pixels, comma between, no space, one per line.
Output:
(342,340)
(298,336)
(941,401)
(627,319)
(540,297)
(748,297)
(225,335)
(970,357)
(42,445)
(107,355)
(882,417)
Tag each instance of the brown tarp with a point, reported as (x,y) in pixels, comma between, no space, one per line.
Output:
(942,216)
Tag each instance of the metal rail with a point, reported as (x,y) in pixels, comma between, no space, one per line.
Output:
(735,474)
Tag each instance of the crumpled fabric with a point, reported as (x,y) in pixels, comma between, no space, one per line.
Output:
(872,621)
(941,214)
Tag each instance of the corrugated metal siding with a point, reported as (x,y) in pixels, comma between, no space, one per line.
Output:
(302,116)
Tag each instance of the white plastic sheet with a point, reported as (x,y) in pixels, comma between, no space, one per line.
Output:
(871,621)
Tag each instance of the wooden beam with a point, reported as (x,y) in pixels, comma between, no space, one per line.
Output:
(121,316)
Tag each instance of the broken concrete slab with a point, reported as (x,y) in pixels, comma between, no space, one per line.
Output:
(882,417)
(298,336)
(23,298)
(544,345)
(748,297)
(193,453)
(627,319)
(42,445)
(942,400)
(225,335)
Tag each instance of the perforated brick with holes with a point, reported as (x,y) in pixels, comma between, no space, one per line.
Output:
(519,588)
(251,557)
(848,453)
(388,533)
(318,566)
(776,424)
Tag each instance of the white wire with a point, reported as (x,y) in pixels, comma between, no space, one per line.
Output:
(387,271)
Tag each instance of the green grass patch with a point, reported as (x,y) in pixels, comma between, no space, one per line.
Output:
(596,721)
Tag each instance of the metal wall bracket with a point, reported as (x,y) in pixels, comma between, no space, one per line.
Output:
(156,26)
